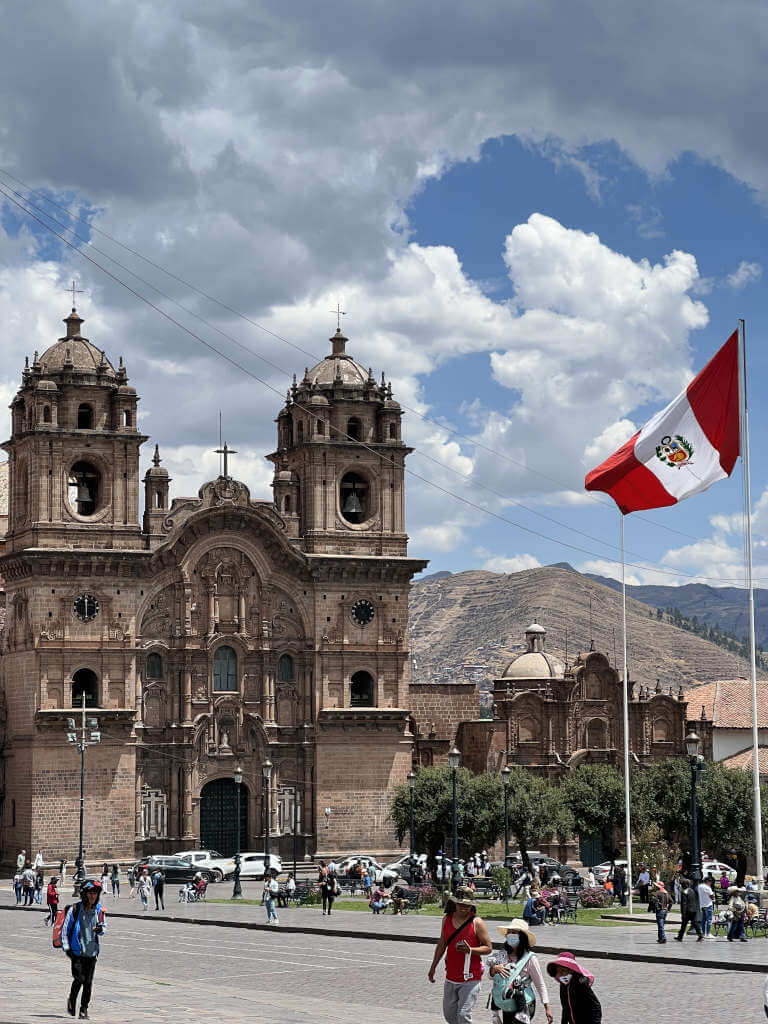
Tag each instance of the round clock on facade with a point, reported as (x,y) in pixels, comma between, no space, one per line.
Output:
(86,607)
(362,613)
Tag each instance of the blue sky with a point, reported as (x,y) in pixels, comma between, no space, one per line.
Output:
(540,222)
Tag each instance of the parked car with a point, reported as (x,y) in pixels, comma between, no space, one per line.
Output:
(219,866)
(252,864)
(175,869)
(379,874)
(404,861)
(603,870)
(717,867)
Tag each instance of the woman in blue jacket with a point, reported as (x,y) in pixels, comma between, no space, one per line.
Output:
(80,933)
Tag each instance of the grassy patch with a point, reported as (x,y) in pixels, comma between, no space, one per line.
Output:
(496,912)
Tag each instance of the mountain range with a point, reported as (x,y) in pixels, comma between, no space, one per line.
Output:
(467,626)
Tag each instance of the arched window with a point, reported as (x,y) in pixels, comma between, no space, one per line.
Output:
(354,429)
(392,431)
(285,668)
(287,504)
(84,417)
(46,414)
(361,692)
(126,417)
(154,666)
(225,669)
(354,496)
(320,427)
(83,486)
(596,735)
(529,730)
(84,681)
(158,499)
(661,731)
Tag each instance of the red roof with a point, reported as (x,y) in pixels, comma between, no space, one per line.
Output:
(727,703)
(745,760)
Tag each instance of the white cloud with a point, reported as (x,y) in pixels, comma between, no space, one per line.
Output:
(509,563)
(744,274)
(648,220)
(635,575)
(613,437)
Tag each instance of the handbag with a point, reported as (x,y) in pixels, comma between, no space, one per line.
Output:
(514,994)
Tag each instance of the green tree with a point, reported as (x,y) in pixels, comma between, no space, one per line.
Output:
(479,817)
(594,794)
(537,811)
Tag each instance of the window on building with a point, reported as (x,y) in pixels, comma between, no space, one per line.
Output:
(354,497)
(320,427)
(84,417)
(300,431)
(361,693)
(529,730)
(287,504)
(126,417)
(225,669)
(46,414)
(83,488)
(354,429)
(393,431)
(597,735)
(84,681)
(154,666)
(662,732)
(158,499)
(285,668)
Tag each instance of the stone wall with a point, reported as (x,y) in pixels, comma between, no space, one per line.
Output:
(439,708)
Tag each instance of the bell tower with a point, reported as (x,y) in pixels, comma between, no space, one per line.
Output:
(73,451)
(340,460)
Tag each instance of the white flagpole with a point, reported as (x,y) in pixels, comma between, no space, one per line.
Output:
(627,816)
(744,426)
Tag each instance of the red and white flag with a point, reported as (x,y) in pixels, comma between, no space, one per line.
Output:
(685,448)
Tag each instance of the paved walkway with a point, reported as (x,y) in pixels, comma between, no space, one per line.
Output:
(631,942)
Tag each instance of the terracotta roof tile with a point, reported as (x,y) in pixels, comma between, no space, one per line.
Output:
(727,703)
(745,761)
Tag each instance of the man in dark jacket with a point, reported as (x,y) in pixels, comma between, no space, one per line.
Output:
(661,901)
(80,933)
(690,911)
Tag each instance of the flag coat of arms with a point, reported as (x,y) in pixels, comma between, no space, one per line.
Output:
(683,449)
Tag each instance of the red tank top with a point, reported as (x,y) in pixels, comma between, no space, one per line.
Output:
(461,967)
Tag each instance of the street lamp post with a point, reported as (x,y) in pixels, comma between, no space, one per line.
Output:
(411,785)
(266,771)
(454,760)
(505,773)
(696,761)
(82,737)
(237,892)
(295,826)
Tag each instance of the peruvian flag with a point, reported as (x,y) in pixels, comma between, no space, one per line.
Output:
(685,448)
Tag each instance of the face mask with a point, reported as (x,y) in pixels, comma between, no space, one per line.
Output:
(512,941)
(565,979)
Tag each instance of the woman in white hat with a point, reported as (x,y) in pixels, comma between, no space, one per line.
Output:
(464,940)
(519,942)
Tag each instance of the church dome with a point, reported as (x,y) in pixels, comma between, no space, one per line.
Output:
(74,353)
(534,663)
(319,400)
(45,385)
(338,366)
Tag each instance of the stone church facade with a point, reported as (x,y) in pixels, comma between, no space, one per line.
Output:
(215,631)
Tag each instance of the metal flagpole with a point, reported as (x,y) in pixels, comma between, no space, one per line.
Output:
(744,427)
(627,815)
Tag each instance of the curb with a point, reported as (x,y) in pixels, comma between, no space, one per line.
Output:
(347,933)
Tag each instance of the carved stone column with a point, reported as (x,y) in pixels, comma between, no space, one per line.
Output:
(187,807)
(138,823)
(241,624)
(187,692)
(211,591)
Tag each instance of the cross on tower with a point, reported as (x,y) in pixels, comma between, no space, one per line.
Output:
(339,314)
(226,451)
(75,291)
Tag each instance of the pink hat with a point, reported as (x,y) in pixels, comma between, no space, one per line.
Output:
(568,960)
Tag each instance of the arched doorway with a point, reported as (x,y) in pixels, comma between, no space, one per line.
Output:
(218,814)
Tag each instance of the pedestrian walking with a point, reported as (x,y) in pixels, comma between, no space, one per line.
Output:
(690,911)
(145,888)
(52,900)
(516,962)
(39,883)
(329,890)
(132,882)
(115,880)
(63,871)
(271,890)
(707,905)
(579,1002)
(80,933)
(18,886)
(661,901)
(158,884)
(21,861)
(28,885)
(619,879)
(464,941)
(105,879)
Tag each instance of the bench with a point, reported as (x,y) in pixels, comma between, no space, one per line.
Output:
(412,901)
(301,893)
(486,887)
(349,885)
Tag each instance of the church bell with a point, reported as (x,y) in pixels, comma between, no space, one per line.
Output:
(352,506)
